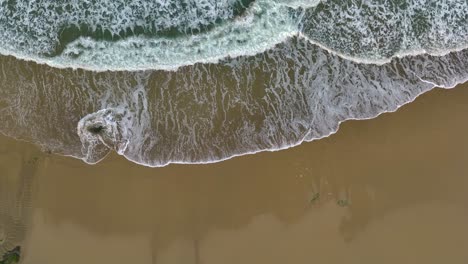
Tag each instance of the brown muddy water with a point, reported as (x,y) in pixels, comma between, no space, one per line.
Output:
(389,190)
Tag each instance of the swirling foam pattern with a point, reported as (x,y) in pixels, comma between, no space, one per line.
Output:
(202,81)
(166,34)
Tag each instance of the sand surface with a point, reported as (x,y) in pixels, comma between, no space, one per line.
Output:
(389,190)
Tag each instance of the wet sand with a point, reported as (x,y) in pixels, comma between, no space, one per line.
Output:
(389,190)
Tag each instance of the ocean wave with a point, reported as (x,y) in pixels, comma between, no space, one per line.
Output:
(210,112)
(143,35)
(377,31)
(138,35)
(195,81)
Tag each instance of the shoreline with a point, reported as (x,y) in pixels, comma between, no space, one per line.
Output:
(303,141)
(341,193)
(388,173)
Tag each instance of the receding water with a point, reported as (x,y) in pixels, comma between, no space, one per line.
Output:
(189,81)
(388,190)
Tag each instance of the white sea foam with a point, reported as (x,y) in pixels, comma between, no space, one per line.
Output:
(262,25)
(287,116)
(376,31)
(205,113)
(300,3)
(281,73)
(366,32)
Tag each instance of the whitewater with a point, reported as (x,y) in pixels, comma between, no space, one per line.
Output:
(199,81)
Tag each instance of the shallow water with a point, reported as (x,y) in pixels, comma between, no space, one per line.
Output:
(209,112)
(163,82)
(388,190)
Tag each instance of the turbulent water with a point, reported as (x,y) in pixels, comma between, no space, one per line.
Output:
(192,81)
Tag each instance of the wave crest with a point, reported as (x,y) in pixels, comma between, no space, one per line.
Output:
(140,35)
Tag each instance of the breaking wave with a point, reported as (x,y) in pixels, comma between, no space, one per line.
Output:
(198,81)
(166,34)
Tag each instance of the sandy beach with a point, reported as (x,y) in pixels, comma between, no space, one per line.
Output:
(388,190)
